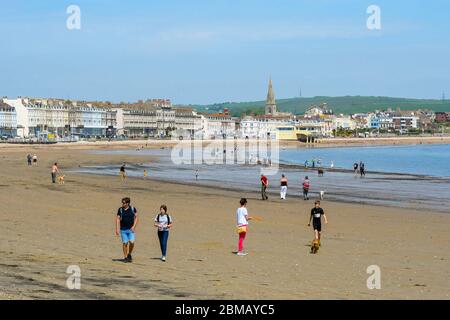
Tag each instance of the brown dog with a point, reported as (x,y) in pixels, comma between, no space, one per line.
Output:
(315,246)
(61,179)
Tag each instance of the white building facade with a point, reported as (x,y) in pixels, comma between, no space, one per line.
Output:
(8,120)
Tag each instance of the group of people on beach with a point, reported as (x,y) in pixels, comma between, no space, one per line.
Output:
(243,219)
(361,166)
(283,187)
(126,222)
(32,159)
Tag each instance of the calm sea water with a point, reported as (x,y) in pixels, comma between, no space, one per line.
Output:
(430,160)
(416,177)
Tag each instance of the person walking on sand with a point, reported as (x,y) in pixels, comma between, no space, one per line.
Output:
(122,172)
(55,171)
(163,222)
(316,217)
(35,159)
(305,186)
(355,168)
(126,221)
(242,225)
(196,175)
(362,170)
(283,187)
(29,159)
(264,185)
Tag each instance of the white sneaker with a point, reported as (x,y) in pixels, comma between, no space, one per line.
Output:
(242,253)
(163,258)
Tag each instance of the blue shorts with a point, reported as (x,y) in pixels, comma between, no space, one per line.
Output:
(127,235)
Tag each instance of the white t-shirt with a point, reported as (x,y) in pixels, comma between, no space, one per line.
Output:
(241,215)
(163,221)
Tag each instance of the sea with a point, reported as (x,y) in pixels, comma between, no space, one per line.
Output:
(406,176)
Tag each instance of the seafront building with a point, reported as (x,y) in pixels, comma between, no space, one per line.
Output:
(58,118)
(8,120)
(219,125)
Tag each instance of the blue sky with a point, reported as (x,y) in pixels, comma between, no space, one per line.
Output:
(224,50)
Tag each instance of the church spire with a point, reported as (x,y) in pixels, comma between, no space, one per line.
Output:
(271,107)
(270,94)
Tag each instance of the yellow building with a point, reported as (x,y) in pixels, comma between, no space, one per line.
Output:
(292,132)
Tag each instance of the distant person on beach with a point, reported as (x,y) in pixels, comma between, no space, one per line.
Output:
(55,170)
(35,159)
(145,173)
(355,168)
(306,164)
(362,169)
(196,175)
(242,225)
(126,221)
(319,162)
(29,159)
(283,187)
(305,186)
(122,172)
(163,222)
(313,163)
(332,165)
(316,217)
(264,185)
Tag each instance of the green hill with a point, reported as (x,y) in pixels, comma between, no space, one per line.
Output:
(345,105)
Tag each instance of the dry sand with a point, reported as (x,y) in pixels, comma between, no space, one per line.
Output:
(45,228)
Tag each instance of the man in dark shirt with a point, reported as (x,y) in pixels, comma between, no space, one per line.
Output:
(362,169)
(316,216)
(264,184)
(126,222)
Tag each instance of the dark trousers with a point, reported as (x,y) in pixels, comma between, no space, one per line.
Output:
(54,177)
(263,192)
(305,194)
(163,237)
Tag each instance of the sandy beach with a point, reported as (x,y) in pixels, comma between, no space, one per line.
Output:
(328,142)
(47,228)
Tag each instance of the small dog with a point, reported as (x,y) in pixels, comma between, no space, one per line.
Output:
(315,246)
(320,172)
(322,194)
(61,179)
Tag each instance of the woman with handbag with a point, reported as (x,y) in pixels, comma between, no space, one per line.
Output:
(242,225)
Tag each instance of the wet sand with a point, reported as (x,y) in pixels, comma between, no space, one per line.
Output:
(46,228)
(410,191)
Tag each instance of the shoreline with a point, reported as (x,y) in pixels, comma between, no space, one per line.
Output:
(324,143)
(342,189)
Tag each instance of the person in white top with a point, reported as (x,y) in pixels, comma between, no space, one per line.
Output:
(163,221)
(242,225)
